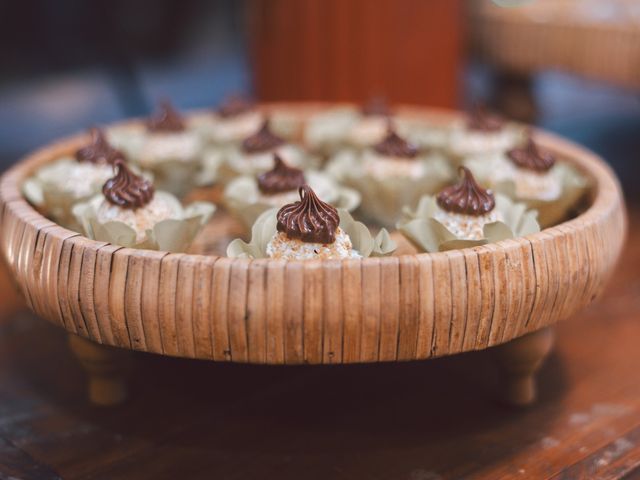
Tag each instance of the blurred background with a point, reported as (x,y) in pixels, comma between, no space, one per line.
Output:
(572,66)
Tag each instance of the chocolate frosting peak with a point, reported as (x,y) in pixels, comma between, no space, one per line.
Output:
(126,189)
(531,157)
(310,219)
(165,119)
(482,121)
(466,197)
(281,178)
(393,145)
(234,106)
(263,140)
(98,151)
(376,106)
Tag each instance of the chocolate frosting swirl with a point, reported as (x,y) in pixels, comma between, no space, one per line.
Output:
(263,140)
(482,121)
(98,151)
(310,219)
(531,157)
(393,145)
(234,106)
(165,119)
(281,178)
(466,197)
(126,189)
(376,106)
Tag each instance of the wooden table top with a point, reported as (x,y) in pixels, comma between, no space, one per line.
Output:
(426,420)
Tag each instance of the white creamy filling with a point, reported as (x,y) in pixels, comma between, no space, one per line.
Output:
(466,227)
(283,247)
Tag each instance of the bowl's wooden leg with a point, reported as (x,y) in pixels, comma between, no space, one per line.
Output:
(519,361)
(106,368)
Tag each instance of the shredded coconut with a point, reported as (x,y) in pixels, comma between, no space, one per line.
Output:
(381,167)
(263,161)
(236,128)
(80,179)
(162,207)
(283,247)
(465,142)
(368,131)
(540,186)
(528,184)
(324,189)
(466,227)
(182,146)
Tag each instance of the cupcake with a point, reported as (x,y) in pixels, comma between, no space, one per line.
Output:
(348,127)
(165,147)
(389,175)
(310,229)
(482,133)
(129,212)
(372,125)
(56,187)
(235,119)
(465,215)
(253,156)
(247,197)
(426,135)
(530,174)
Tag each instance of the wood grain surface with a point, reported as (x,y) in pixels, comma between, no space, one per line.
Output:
(410,51)
(317,312)
(434,420)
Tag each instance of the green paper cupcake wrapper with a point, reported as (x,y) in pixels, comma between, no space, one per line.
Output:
(550,212)
(264,229)
(429,235)
(383,199)
(170,235)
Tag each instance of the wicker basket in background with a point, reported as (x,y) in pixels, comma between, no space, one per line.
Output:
(595,38)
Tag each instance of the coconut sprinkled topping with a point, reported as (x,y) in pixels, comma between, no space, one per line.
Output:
(481,120)
(466,197)
(165,119)
(393,145)
(531,157)
(234,105)
(309,219)
(263,140)
(126,189)
(98,151)
(281,178)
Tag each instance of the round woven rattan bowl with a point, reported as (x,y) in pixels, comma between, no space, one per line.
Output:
(405,307)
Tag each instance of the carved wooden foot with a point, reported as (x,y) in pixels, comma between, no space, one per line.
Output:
(106,368)
(519,361)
